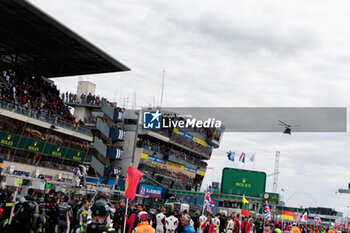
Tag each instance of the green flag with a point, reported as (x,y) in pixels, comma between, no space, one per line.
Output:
(330,223)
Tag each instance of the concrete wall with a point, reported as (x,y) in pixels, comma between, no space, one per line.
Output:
(128,147)
(85,87)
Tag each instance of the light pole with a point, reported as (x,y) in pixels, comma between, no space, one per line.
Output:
(347,211)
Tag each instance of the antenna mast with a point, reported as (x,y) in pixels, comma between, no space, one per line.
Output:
(161,95)
(275,177)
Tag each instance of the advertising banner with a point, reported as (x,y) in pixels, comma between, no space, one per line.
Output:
(151,191)
(37,146)
(239,182)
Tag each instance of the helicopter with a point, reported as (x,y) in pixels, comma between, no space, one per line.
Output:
(287,127)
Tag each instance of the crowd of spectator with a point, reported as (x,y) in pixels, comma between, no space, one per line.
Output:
(190,144)
(83,99)
(87,99)
(171,179)
(34,93)
(146,143)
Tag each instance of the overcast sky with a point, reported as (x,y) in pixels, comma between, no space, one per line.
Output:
(232,54)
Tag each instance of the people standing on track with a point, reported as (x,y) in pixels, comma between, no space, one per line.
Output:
(65,214)
(160,220)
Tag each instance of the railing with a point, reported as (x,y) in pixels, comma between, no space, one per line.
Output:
(108,151)
(114,113)
(43,116)
(83,104)
(110,132)
(103,170)
(97,166)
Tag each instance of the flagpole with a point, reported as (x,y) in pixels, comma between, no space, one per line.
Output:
(282,219)
(126,214)
(204,200)
(127,199)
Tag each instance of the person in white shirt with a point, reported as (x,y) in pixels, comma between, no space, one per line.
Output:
(216,222)
(230,225)
(171,224)
(160,220)
(202,219)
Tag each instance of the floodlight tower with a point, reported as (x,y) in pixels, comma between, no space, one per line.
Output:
(275,177)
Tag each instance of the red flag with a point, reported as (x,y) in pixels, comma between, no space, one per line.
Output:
(132,180)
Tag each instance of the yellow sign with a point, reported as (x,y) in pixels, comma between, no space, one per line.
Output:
(144,156)
(203,143)
(20,181)
(201,173)
(175,165)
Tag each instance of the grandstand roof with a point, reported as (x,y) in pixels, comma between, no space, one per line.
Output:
(34,42)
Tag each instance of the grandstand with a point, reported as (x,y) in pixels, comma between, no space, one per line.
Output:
(168,157)
(39,137)
(37,130)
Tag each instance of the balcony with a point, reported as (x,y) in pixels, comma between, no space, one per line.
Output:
(114,133)
(107,151)
(114,113)
(83,104)
(101,169)
(43,116)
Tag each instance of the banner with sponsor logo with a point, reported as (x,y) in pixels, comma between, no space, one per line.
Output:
(151,191)
(189,136)
(239,182)
(176,166)
(40,147)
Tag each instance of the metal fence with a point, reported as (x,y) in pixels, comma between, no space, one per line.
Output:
(43,116)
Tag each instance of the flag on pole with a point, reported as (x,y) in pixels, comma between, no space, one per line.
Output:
(132,180)
(335,223)
(231,155)
(298,216)
(287,215)
(330,223)
(245,210)
(208,202)
(304,218)
(317,219)
(252,158)
(242,157)
(267,212)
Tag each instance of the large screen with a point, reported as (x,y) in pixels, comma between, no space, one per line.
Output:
(239,182)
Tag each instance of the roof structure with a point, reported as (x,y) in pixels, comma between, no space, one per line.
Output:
(33,42)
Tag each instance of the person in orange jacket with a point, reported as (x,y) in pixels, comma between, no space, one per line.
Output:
(331,230)
(295,229)
(143,225)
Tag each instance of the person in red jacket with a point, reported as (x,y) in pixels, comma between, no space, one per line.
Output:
(208,226)
(236,221)
(131,222)
(245,225)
